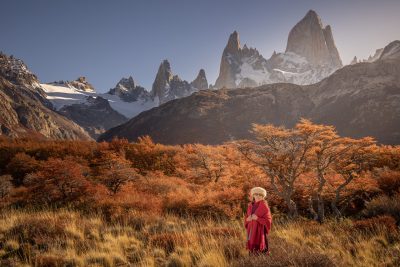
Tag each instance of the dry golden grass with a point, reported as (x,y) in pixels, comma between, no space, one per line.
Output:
(67,238)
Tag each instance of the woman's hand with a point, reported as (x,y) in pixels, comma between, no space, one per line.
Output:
(249,218)
(254,217)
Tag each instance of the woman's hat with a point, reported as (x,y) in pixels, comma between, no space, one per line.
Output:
(258,190)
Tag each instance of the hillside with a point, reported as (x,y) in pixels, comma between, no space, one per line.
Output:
(359,100)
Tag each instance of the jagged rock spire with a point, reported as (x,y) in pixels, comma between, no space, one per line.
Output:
(310,39)
(229,62)
(163,77)
(167,86)
(354,61)
(233,45)
(201,81)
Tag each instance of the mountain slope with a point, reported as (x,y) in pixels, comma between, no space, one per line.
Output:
(361,99)
(216,116)
(25,111)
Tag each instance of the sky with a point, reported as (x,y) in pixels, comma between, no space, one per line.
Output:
(108,40)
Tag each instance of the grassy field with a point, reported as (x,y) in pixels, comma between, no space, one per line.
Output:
(68,238)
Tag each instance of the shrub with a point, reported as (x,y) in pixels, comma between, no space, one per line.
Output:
(375,224)
(59,182)
(166,241)
(20,165)
(383,205)
(39,232)
(285,254)
(389,182)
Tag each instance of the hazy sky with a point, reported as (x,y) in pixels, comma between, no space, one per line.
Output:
(106,40)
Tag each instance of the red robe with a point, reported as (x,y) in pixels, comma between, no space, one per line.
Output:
(258,230)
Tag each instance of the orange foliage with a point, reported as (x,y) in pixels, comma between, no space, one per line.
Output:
(123,179)
(375,224)
(20,165)
(58,182)
(389,181)
(112,170)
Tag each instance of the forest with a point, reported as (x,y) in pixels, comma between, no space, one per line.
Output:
(335,200)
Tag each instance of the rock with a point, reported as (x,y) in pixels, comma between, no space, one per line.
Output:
(81,84)
(391,51)
(310,40)
(167,86)
(95,115)
(310,56)
(376,56)
(128,91)
(24,109)
(201,81)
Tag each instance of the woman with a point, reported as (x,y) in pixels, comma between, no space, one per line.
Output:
(258,222)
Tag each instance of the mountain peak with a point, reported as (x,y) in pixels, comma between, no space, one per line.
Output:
(126,83)
(391,51)
(233,45)
(167,86)
(312,16)
(202,73)
(309,39)
(16,71)
(129,91)
(165,66)
(81,83)
(201,81)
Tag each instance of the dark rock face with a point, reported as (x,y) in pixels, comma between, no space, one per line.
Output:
(128,91)
(95,115)
(359,100)
(309,39)
(167,86)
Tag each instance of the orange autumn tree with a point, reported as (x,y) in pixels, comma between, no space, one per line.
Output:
(148,156)
(327,148)
(20,165)
(283,154)
(113,170)
(360,157)
(58,182)
(205,163)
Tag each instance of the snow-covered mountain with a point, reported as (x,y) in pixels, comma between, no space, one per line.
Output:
(97,112)
(65,94)
(310,56)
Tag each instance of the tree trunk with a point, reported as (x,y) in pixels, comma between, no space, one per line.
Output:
(335,210)
(321,209)
(311,208)
(292,208)
(321,206)
(338,190)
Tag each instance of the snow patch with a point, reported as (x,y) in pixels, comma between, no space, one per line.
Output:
(61,96)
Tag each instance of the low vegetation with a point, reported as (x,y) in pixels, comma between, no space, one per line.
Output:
(68,238)
(335,201)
